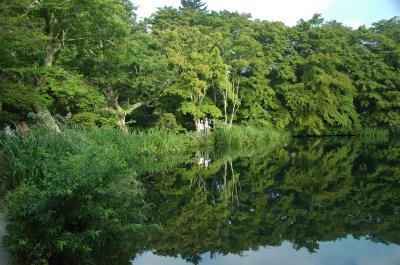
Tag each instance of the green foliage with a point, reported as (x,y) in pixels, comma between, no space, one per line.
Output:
(195,5)
(167,121)
(72,196)
(89,119)
(376,75)
(196,67)
(77,191)
(73,94)
(237,136)
(79,57)
(21,47)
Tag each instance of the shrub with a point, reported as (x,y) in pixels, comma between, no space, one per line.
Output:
(71,198)
(167,121)
(89,119)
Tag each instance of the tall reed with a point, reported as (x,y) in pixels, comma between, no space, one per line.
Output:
(243,136)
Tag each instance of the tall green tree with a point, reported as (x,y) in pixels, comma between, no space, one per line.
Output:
(196,68)
(22,45)
(91,60)
(195,5)
(313,84)
(66,25)
(375,70)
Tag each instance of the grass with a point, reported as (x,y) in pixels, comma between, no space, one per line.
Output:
(67,189)
(29,156)
(238,136)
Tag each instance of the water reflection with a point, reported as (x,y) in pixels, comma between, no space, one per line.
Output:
(348,251)
(309,192)
(204,159)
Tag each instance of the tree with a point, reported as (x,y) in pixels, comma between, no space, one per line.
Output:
(374,66)
(130,74)
(195,5)
(68,26)
(92,60)
(196,69)
(21,47)
(312,82)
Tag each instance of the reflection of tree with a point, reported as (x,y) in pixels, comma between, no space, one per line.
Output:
(231,184)
(318,190)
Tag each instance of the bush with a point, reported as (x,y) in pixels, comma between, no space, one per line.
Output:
(167,121)
(71,198)
(89,119)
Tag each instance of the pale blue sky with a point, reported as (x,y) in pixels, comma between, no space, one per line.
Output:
(350,12)
(347,251)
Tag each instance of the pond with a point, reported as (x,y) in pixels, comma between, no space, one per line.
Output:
(310,201)
(313,201)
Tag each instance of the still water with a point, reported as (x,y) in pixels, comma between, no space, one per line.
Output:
(313,201)
(344,252)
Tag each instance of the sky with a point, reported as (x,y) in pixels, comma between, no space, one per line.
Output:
(353,13)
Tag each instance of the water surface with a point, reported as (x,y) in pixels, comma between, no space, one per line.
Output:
(314,201)
(347,251)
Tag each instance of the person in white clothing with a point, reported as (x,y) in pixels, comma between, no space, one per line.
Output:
(201,127)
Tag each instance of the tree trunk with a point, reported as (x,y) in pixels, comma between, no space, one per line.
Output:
(45,119)
(236,103)
(51,51)
(120,112)
(225,109)
(197,124)
(122,122)
(52,48)
(43,114)
(231,120)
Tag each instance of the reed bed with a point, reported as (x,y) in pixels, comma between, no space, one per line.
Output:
(30,156)
(237,136)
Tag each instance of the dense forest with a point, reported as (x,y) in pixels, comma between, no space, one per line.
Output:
(92,63)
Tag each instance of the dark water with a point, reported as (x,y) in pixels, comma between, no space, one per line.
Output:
(315,201)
